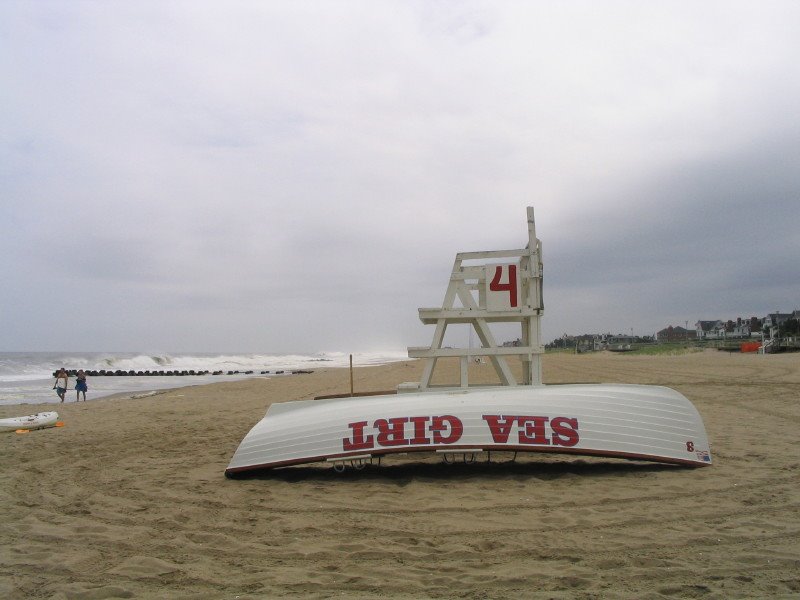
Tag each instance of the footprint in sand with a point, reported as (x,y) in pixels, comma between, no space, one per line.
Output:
(102,593)
(144,567)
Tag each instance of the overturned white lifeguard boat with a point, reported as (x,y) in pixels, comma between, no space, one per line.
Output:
(622,421)
(625,421)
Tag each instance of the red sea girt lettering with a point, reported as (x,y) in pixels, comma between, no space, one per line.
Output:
(513,430)
(533,430)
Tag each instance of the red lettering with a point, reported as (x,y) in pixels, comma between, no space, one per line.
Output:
(445,423)
(510,287)
(391,432)
(532,431)
(500,427)
(565,431)
(358,441)
(419,430)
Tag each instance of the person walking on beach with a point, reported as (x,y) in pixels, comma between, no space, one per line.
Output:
(62,381)
(80,386)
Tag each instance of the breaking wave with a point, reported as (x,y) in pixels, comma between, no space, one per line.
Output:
(27,378)
(17,366)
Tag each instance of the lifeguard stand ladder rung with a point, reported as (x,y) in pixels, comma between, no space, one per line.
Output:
(508,284)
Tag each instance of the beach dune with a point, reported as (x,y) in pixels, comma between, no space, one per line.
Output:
(129,500)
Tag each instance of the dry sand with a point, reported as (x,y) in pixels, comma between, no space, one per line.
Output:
(128,500)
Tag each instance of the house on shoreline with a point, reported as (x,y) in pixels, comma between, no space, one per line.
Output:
(772,326)
(769,327)
(675,334)
(773,322)
(598,341)
(721,330)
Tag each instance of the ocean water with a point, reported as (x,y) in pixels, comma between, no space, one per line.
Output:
(27,377)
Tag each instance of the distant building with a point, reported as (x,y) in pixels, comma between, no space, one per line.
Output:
(709,330)
(605,341)
(720,330)
(585,341)
(675,334)
(775,322)
(744,328)
(778,319)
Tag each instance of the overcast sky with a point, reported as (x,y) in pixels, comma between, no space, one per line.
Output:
(298,176)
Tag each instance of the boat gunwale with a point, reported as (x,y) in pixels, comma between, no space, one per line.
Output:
(483,448)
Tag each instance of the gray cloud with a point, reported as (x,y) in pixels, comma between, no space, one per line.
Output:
(715,238)
(298,177)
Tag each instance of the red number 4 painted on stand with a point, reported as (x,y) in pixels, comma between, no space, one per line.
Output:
(510,287)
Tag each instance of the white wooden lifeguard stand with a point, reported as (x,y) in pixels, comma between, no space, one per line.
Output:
(508,284)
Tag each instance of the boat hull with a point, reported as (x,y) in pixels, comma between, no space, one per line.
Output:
(29,422)
(626,421)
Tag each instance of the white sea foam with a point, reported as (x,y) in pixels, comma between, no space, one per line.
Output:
(28,377)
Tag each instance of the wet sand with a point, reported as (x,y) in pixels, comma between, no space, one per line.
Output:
(129,500)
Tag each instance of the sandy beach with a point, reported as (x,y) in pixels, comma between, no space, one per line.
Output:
(129,500)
